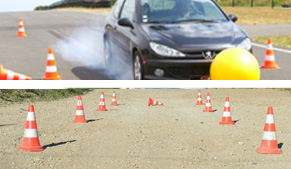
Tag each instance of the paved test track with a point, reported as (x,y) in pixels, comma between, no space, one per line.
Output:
(47,28)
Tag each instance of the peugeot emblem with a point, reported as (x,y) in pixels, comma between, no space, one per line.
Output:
(209,55)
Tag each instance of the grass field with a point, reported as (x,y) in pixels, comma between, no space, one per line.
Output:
(246,15)
(92,10)
(281,41)
(260,3)
(264,15)
(17,96)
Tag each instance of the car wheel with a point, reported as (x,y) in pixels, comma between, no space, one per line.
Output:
(137,67)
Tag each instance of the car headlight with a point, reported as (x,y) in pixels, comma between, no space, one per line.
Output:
(246,44)
(165,51)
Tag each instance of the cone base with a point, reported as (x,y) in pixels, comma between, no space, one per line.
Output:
(21,36)
(34,148)
(208,110)
(226,123)
(101,109)
(270,67)
(113,104)
(198,104)
(52,78)
(80,121)
(269,151)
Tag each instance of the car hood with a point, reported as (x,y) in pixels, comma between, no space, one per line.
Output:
(195,36)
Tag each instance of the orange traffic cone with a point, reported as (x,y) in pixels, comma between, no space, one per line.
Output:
(51,72)
(270,57)
(208,107)
(199,99)
(80,116)
(30,140)
(6,74)
(269,142)
(154,103)
(113,102)
(226,118)
(21,30)
(102,106)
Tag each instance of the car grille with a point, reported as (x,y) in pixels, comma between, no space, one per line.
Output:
(198,55)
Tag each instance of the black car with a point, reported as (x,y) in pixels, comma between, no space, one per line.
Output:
(170,39)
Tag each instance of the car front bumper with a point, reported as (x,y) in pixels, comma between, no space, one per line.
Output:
(183,69)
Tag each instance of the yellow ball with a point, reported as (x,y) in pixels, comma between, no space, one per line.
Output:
(235,64)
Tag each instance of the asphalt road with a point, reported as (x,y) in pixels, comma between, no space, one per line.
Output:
(76,38)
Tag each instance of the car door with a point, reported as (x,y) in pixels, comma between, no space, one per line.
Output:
(111,28)
(123,34)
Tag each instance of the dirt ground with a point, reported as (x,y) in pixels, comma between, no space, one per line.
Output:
(133,135)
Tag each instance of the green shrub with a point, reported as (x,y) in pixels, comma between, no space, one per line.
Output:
(39,8)
(113,2)
(17,96)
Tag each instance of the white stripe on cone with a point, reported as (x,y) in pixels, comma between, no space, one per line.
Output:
(30,116)
(208,98)
(102,103)
(51,69)
(10,75)
(199,99)
(79,112)
(208,104)
(50,57)
(270,119)
(30,133)
(79,103)
(269,135)
(21,30)
(270,57)
(226,114)
(114,100)
(22,77)
(226,104)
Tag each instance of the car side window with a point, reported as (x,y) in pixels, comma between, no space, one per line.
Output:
(117,8)
(128,10)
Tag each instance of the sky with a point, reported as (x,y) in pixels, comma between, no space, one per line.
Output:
(22,5)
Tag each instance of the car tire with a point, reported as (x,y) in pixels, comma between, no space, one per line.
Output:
(137,67)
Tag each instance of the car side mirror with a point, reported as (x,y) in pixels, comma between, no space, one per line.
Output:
(125,22)
(233,17)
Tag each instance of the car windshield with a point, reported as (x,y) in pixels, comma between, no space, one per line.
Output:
(175,11)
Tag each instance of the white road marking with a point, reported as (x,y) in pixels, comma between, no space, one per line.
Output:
(276,49)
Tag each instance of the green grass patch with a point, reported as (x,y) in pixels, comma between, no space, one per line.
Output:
(259,3)
(18,96)
(281,41)
(263,15)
